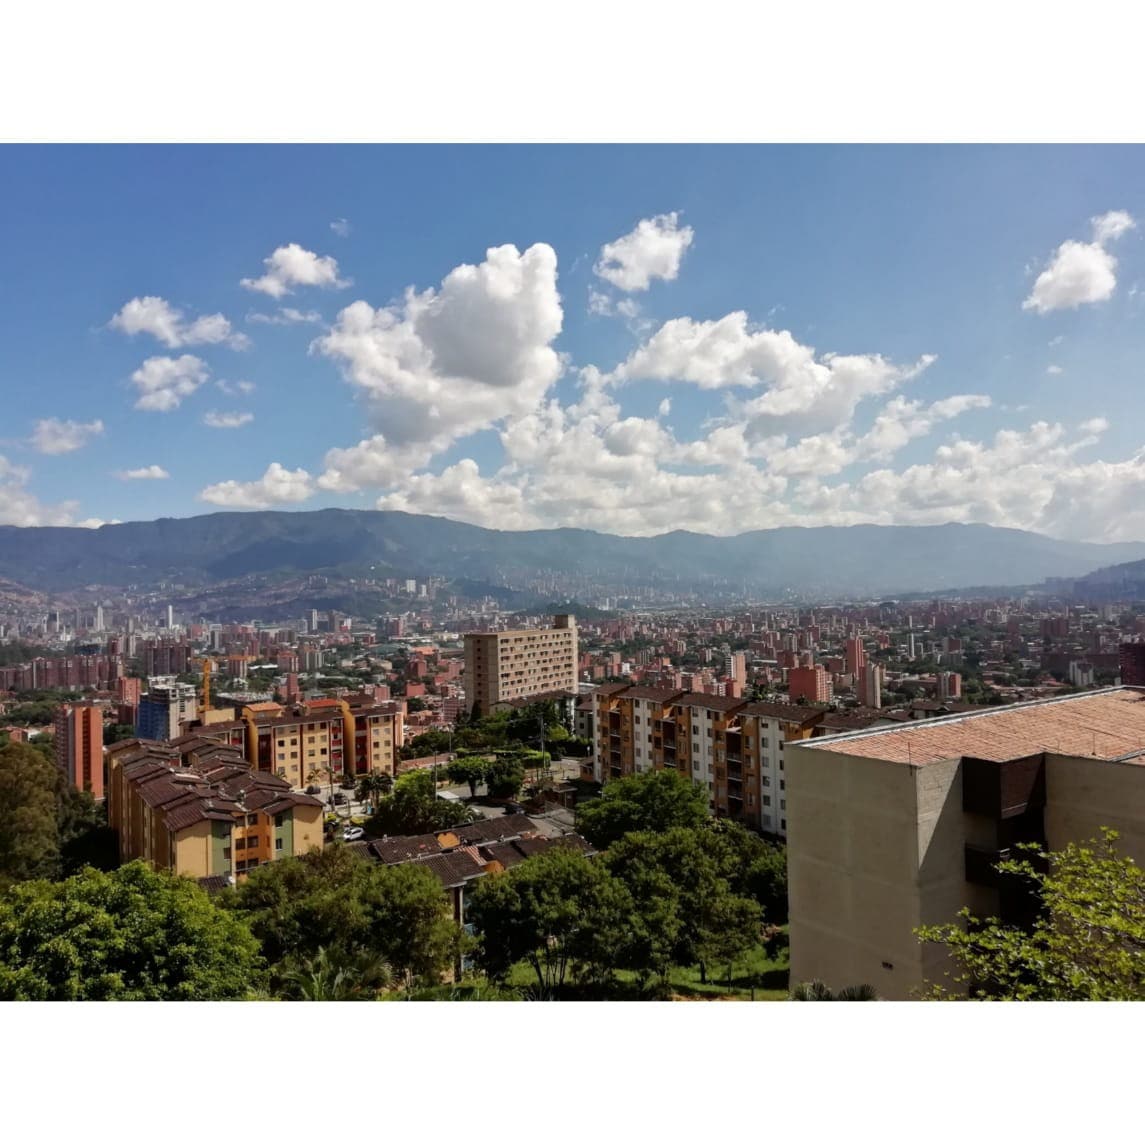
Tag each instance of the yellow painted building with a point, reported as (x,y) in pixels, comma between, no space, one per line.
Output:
(196,808)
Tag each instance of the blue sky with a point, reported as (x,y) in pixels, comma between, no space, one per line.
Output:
(560,383)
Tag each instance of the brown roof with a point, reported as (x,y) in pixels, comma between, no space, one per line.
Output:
(792,713)
(500,827)
(454,868)
(646,692)
(1108,725)
(610,689)
(402,848)
(716,703)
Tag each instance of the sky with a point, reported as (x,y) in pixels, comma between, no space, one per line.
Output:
(632,339)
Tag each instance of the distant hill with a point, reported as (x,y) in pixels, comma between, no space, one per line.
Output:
(858,560)
(1117,582)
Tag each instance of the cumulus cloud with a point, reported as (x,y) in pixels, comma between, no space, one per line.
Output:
(157,317)
(163,383)
(227,420)
(802,392)
(286,316)
(277,486)
(146,473)
(599,303)
(1053,369)
(652,250)
(52,435)
(18,506)
(292,265)
(340,227)
(1079,272)
(234,389)
(449,362)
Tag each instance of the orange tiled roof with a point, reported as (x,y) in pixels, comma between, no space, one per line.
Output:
(1109,724)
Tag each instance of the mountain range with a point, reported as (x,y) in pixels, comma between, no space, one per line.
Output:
(857,560)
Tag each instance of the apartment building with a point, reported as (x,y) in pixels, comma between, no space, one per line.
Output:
(164,710)
(501,666)
(732,748)
(78,742)
(810,682)
(897,827)
(195,807)
(315,740)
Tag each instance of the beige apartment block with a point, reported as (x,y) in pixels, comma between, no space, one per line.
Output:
(894,828)
(501,666)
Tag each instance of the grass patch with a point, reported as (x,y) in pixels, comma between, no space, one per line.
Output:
(753,977)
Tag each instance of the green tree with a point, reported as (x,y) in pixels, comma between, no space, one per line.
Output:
(1087,943)
(505,777)
(426,744)
(134,934)
(816,991)
(374,785)
(654,801)
(349,907)
(755,868)
(469,769)
(339,977)
(116,733)
(556,911)
(715,925)
(29,828)
(415,809)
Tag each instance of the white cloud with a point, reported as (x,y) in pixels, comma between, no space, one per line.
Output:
(157,317)
(665,407)
(450,362)
(146,473)
(52,435)
(163,383)
(1080,273)
(277,486)
(1094,425)
(599,303)
(20,507)
(234,389)
(802,392)
(1111,225)
(227,420)
(652,250)
(340,227)
(286,316)
(1051,369)
(291,266)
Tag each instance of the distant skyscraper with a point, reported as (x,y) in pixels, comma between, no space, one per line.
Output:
(1132,658)
(79,746)
(949,686)
(809,683)
(910,647)
(170,616)
(856,657)
(99,618)
(871,686)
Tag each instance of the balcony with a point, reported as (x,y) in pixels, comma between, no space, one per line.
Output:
(1003,790)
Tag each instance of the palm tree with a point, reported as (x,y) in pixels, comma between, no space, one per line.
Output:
(337,977)
(816,991)
(374,784)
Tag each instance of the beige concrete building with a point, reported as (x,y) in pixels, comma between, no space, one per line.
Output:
(195,807)
(898,827)
(524,662)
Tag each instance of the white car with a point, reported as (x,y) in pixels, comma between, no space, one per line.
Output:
(352,834)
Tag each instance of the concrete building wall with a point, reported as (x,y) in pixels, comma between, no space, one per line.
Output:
(1084,795)
(193,851)
(853,834)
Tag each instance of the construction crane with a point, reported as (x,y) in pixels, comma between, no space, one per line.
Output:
(206,663)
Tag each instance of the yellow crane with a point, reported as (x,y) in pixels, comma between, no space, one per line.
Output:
(206,663)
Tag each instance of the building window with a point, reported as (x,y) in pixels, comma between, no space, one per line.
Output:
(767,801)
(252,820)
(764,741)
(783,805)
(278,819)
(278,844)
(240,844)
(783,824)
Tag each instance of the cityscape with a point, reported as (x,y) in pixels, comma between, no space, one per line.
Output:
(557,596)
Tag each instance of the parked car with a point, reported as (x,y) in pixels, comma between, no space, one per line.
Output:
(351,834)
(339,797)
(313,790)
(514,809)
